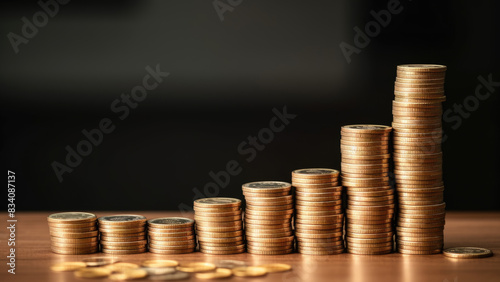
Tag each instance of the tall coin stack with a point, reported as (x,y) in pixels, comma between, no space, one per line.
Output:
(370,199)
(219,226)
(319,221)
(73,233)
(171,235)
(417,112)
(123,234)
(268,217)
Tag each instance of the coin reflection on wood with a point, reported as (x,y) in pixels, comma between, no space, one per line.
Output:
(219,227)
(123,234)
(319,219)
(417,114)
(73,233)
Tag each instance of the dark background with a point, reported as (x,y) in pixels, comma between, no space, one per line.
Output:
(225,79)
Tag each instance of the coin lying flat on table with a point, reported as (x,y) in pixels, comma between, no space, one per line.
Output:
(68,266)
(467,252)
(249,271)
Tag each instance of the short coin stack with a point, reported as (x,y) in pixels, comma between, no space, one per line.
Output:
(319,221)
(171,235)
(268,216)
(219,226)
(417,114)
(123,234)
(73,233)
(370,199)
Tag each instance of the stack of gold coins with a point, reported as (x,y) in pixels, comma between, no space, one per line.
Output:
(219,227)
(171,235)
(370,199)
(319,221)
(73,233)
(123,234)
(417,113)
(268,217)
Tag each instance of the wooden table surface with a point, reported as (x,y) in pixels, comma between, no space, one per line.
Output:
(33,256)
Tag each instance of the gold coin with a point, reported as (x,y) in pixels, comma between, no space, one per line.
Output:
(170,223)
(93,272)
(129,274)
(217,228)
(196,267)
(121,220)
(217,274)
(217,202)
(220,240)
(99,261)
(74,235)
(270,186)
(160,263)
(249,271)
(415,252)
(67,266)
(216,209)
(119,266)
(71,218)
(467,252)
(315,173)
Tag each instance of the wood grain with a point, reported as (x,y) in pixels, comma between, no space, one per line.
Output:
(33,256)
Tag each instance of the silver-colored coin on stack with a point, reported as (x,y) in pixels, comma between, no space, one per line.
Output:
(417,114)
(370,199)
(73,233)
(219,226)
(171,235)
(123,234)
(319,221)
(268,217)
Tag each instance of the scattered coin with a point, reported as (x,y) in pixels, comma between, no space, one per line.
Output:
(160,263)
(219,273)
(196,267)
(173,276)
(99,261)
(249,271)
(467,252)
(68,266)
(230,263)
(128,274)
(93,272)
